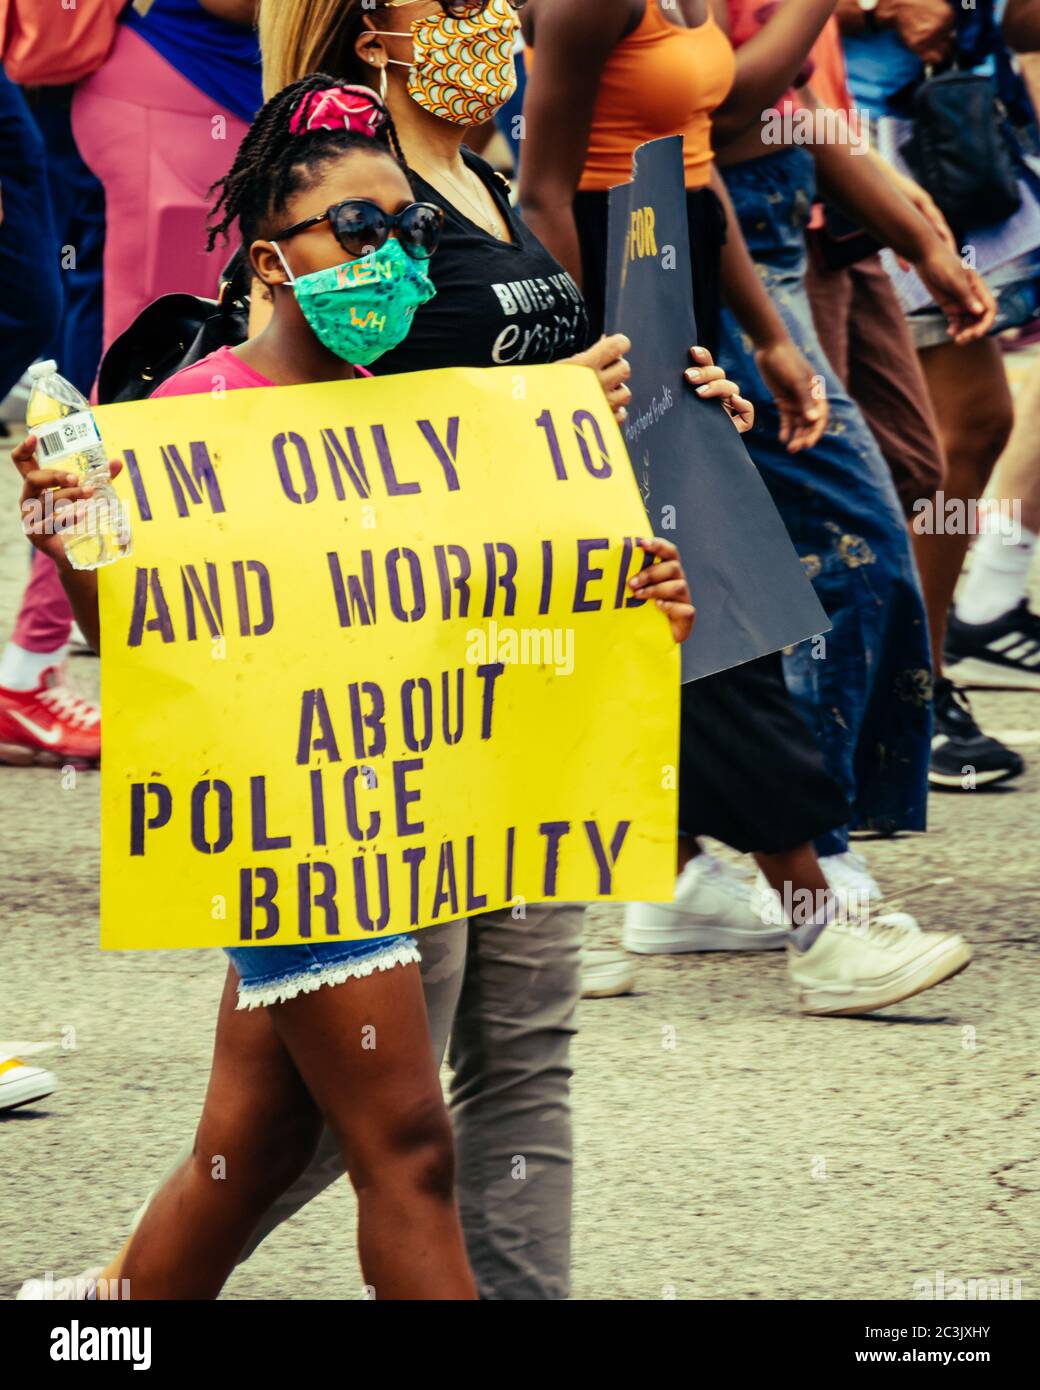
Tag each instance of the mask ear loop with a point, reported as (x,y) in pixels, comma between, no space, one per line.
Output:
(285,263)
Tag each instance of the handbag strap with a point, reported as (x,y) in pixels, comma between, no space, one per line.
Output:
(977,37)
(976,32)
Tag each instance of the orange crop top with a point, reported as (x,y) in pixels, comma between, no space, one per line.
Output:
(660,80)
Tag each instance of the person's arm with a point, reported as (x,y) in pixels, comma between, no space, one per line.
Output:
(1021,25)
(768,63)
(37,512)
(786,372)
(574,39)
(234,11)
(861,187)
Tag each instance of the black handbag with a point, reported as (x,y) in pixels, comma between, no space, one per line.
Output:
(839,242)
(970,128)
(963,150)
(174,331)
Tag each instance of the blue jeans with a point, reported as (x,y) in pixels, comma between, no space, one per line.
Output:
(78,210)
(30,278)
(865,691)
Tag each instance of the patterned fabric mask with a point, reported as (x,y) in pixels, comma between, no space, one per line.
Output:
(363,308)
(463,69)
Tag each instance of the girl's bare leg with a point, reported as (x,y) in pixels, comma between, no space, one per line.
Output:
(258,1131)
(968,387)
(444,952)
(363,1050)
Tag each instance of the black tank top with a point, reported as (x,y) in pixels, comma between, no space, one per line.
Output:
(498,303)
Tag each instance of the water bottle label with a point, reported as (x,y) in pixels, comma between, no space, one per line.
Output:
(72,434)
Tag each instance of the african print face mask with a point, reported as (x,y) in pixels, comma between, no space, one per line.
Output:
(463,69)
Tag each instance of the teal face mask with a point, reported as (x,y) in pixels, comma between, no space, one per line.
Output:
(363,308)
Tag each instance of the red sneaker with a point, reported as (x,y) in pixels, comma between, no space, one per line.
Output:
(48,725)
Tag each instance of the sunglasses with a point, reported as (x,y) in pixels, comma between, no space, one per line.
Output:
(361,226)
(458,9)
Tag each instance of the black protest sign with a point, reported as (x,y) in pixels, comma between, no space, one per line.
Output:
(699,485)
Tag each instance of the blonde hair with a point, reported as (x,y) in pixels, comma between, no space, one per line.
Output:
(298,37)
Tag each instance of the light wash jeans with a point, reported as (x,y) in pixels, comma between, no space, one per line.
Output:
(867,693)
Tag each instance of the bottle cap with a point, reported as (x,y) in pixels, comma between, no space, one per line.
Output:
(39,369)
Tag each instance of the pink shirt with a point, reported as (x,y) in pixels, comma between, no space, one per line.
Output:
(224,368)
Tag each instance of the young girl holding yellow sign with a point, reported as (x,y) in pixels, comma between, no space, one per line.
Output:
(334,232)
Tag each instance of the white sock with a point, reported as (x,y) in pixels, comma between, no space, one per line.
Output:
(21,670)
(801,938)
(998,577)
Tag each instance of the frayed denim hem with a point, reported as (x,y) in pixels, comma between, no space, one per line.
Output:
(263,993)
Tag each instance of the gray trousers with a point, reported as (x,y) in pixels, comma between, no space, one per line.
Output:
(505,992)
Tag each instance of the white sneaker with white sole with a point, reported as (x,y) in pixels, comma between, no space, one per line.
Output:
(854,967)
(848,874)
(605,973)
(21,1084)
(713,909)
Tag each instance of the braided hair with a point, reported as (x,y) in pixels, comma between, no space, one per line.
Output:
(274,162)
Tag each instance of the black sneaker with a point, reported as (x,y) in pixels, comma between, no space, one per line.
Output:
(1001,655)
(963,757)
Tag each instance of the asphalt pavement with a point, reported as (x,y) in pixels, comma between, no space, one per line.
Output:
(727,1147)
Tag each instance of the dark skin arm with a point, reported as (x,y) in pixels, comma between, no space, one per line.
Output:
(235,11)
(768,63)
(574,40)
(860,186)
(80,585)
(785,371)
(1021,25)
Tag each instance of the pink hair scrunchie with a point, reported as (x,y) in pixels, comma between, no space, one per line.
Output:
(339,108)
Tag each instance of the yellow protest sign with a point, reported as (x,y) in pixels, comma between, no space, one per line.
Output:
(373,664)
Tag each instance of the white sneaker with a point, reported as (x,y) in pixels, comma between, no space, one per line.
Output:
(605,974)
(21,1084)
(855,967)
(848,874)
(713,910)
(43,1290)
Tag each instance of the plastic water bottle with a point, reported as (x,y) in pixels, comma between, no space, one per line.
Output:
(67,438)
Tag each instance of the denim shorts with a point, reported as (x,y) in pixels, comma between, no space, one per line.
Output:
(273,974)
(1015,287)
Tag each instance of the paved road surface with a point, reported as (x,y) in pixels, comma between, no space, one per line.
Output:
(763,1156)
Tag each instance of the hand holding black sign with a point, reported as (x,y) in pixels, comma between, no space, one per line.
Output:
(698,483)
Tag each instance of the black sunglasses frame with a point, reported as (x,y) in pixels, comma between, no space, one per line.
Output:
(461,9)
(395,224)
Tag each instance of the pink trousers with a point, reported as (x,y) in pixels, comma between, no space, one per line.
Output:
(45,618)
(157,144)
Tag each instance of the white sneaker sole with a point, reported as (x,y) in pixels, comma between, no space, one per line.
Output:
(664,940)
(933,969)
(977,674)
(26,1090)
(955,780)
(608,984)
